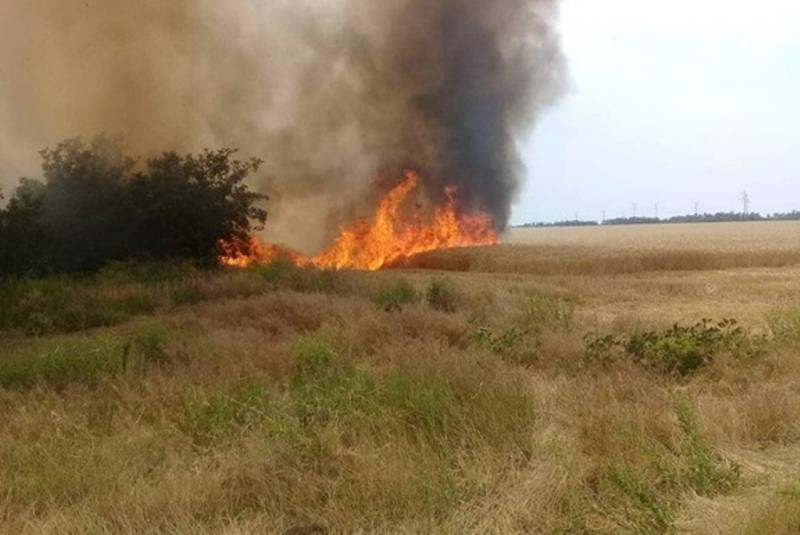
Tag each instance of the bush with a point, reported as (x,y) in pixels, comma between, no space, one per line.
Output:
(394,297)
(442,295)
(679,350)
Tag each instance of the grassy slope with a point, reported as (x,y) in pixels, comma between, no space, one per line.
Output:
(164,399)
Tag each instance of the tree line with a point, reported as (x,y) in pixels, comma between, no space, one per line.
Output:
(95,205)
(719,217)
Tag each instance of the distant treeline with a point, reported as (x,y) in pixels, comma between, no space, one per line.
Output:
(95,205)
(719,217)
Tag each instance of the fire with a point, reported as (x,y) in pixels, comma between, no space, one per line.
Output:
(398,229)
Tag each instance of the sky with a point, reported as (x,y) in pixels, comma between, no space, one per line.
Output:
(670,103)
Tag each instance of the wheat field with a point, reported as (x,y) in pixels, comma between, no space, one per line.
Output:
(599,380)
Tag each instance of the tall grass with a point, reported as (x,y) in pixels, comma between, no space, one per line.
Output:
(279,400)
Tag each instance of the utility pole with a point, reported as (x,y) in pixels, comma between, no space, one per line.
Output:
(634,210)
(656,210)
(696,209)
(604,217)
(745,204)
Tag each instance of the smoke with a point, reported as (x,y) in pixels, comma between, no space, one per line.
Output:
(332,94)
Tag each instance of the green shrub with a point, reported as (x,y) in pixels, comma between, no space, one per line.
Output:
(442,295)
(394,297)
(679,350)
(504,343)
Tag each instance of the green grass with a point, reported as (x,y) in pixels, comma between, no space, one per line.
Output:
(645,484)
(326,389)
(64,360)
(706,473)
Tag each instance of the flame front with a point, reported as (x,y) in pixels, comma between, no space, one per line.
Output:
(396,231)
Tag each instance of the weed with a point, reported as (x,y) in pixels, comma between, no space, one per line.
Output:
(512,344)
(679,350)
(394,297)
(442,295)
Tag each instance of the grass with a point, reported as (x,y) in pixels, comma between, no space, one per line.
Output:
(82,359)
(166,399)
(442,295)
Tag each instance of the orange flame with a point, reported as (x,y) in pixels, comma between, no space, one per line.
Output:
(396,231)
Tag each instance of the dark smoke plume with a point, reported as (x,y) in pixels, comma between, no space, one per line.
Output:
(330,93)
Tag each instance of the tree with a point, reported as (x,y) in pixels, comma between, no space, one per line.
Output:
(94,208)
(24,247)
(86,209)
(188,205)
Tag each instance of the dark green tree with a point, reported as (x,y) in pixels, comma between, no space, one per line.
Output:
(188,205)
(86,208)
(95,207)
(24,246)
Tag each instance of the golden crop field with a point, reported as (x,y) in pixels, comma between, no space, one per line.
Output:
(599,380)
(772,235)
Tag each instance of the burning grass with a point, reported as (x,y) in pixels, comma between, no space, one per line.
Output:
(400,228)
(289,398)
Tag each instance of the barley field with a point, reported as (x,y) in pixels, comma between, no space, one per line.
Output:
(598,380)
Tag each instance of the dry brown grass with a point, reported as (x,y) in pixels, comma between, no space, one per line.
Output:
(268,401)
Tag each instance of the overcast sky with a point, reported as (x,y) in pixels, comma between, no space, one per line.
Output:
(671,103)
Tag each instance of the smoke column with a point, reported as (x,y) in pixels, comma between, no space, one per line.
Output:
(330,93)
